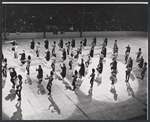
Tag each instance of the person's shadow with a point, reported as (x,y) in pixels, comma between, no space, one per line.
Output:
(113,91)
(129,90)
(18,114)
(54,105)
(28,80)
(41,89)
(90,94)
(67,86)
(11,96)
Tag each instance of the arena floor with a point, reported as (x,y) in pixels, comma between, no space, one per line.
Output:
(104,102)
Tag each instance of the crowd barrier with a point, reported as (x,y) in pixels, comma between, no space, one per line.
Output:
(34,35)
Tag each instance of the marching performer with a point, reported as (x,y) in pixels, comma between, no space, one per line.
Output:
(138,55)
(50,80)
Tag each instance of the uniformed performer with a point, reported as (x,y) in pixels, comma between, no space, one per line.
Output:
(53,47)
(19,87)
(47,57)
(73,43)
(64,55)
(32,45)
(4,68)
(100,67)
(63,73)
(144,69)
(70,61)
(50,80)
(92,78)
(13,76)
(60,44)
(138,55)
(75,76)
(37,49)
(40,74)
(140,62)
(23,58)
(28,65)
(46,45)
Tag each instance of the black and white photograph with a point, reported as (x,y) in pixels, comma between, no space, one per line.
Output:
(74,61)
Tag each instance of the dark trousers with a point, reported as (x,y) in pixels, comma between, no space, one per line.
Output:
(67,51)
(28,70)
(91,82)
(37,53)
(142,75)
(13,82)
(126,59)
(49,88)
(70,64)
(74,86)
(127,77)
(18,93)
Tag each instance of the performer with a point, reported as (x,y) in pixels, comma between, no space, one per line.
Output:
(53,47)
(80,49)
(130,63)
(128,71)
(23,58)
(46,44)
(68,47)
(49,85)
(64,55)
(37,49)
(113,64)
(13,76)
(71,61)
(104,50)
(47,57)
(128,49)
(19,87)
(73,43)
(113,77)
(92,78)
(101,57)
(115,44)
(88,61)
(75,76)
(40,74)
(84,42)
(92,51)
(141,62)
(105,41)
(82,69)
(53,62)
(28,65)
(116,52)
(138,55)
(144,69)
(77,54)
(100,67)
(60,44)
(63,73)
(94,41)
(4,68)
(32,45)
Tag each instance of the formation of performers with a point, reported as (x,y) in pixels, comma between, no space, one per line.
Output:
(77,75)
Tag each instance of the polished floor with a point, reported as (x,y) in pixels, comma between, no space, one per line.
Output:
(105,102)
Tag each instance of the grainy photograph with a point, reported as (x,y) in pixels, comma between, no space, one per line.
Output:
(74,61)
